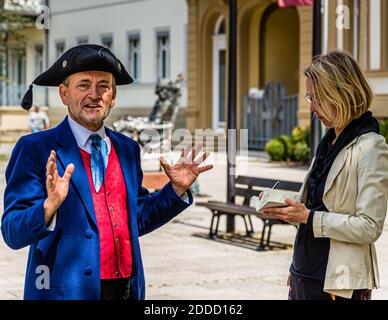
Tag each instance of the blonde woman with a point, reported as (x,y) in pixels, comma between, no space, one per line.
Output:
(344,196)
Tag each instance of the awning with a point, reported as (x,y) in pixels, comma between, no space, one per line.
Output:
(294,3)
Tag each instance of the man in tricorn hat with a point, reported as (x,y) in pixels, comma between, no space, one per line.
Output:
(74,193)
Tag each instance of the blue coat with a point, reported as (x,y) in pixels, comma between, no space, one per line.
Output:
(71,252)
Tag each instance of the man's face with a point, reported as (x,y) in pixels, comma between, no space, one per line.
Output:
(89,96)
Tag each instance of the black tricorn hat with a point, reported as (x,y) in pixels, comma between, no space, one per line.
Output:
(85,57)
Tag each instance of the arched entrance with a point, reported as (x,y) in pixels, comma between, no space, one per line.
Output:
(219,75)
(279,47)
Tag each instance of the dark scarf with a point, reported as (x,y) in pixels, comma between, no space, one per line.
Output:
(326,154)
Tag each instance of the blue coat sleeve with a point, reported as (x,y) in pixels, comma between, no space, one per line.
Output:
(159,208)
(23,218)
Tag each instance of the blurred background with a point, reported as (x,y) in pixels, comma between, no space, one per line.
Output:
(159,39)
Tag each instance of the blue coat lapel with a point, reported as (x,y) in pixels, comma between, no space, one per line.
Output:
(69,153)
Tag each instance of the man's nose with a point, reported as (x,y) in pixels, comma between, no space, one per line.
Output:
(94,93)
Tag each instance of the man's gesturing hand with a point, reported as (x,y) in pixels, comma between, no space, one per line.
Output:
(186,170)
(57,187)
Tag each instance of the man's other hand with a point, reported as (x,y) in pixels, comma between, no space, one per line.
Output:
(57,187)
(187,169)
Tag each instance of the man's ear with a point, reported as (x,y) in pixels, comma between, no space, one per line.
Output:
(63,94)
(113,103)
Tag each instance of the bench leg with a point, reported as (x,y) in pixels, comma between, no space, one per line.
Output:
(251,231)
(217,224)
(269,234)
(246,225)
(263,234)
(211,232)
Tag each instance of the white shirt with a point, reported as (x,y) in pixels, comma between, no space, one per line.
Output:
(82,134)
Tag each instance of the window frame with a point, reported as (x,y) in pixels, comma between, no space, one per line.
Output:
(162,66)
(134,70)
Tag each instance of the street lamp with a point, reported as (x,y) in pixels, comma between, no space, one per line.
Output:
(316,129)
(231,124)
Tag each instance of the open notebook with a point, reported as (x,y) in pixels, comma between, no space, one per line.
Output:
(273,198)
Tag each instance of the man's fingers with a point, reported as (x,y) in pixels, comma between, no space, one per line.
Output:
(202,158)
(49,183)
(68,172)
(49,170)
(195,150)
(164,164)
(185,151)
(55,171)
(51,158)
(205,168)
(56,175)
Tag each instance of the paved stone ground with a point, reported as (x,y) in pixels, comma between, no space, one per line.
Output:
(181,263)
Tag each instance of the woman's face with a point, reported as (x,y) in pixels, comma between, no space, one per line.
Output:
(316,108)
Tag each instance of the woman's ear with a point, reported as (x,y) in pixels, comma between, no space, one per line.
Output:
(63,94)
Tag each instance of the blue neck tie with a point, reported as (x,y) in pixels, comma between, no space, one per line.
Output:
(98,161)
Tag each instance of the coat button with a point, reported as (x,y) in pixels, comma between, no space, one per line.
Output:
(88,271)
(88,234)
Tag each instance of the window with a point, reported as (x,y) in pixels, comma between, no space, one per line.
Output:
(20,66)
(163,55)
(134,56)
(107,41)
(38,60)
(59,48)
(82,40)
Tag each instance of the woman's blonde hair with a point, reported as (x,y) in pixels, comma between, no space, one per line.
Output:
(340,89)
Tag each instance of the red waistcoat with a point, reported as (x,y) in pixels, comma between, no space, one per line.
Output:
(110,207)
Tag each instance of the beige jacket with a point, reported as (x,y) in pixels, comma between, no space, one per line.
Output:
(355,194)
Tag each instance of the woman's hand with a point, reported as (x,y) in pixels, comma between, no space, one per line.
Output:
(296,212)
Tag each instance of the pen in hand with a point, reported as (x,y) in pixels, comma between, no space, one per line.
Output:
(276,184)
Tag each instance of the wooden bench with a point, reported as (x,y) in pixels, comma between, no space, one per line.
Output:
(245,188)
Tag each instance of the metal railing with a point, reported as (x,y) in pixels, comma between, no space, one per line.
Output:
(12,94)
(269,115)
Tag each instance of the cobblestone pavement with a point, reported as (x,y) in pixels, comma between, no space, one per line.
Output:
(181,263)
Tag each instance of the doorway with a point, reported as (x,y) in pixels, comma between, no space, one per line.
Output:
(279,48)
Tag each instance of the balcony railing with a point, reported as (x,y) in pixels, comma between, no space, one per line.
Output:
(12,94)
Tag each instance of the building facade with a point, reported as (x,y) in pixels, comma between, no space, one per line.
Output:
(275,44)
(148,36)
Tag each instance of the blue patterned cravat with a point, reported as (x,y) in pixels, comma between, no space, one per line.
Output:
(98,161)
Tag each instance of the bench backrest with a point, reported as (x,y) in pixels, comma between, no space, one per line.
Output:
(247,187)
